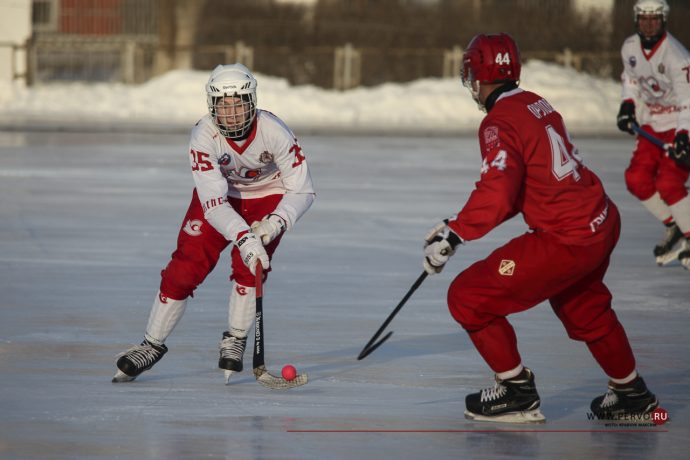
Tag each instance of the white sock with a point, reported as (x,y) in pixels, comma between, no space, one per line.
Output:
(625,380)
(511,373)
(164,316)
(241,310)
(681,214)
(657,207)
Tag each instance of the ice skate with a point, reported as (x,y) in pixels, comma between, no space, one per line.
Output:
(509,401)
(138,359)
(684,256)
(621,401)
(669,247)
(231,352)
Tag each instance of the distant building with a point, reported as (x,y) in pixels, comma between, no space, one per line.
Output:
(15,31)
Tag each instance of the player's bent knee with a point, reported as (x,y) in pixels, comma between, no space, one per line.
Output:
(671,193)
(177,285)
(460,308)
(640,185)
(245,278)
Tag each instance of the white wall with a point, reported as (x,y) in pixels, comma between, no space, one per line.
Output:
(15,28)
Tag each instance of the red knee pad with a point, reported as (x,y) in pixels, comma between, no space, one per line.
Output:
(640,183)
(671,191)
(175,284)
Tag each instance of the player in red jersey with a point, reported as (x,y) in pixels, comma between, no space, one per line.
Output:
(530,166)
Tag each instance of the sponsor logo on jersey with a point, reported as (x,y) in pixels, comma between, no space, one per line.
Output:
(658,109)
(247,173)
(212,203)
(507,267)
(597,221)
(224,160)
(491,137)
(651,86)
(193,227)
(266,157)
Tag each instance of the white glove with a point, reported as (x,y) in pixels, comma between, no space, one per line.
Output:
(252,251)
(269,228)
(439,245)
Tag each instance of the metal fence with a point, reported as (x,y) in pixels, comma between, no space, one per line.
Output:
(132,60)
(334,45)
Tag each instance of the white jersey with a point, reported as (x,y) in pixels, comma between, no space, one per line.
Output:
(270,161)
(658,80)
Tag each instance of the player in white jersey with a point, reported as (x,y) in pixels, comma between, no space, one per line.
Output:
(656,93)
(252,184)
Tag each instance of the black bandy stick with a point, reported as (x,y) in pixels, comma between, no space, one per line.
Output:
(262,375)
(371,346)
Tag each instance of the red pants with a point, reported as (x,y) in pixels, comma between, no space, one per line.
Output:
(651,170)
(530,269)
(199,246)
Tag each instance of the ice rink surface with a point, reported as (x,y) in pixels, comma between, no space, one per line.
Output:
(87,222)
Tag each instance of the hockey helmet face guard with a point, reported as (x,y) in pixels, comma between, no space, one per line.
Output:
(231,99)
(490,59)
(650,9)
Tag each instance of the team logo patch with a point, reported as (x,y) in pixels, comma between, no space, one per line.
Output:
(491,136)
(632,61)
(266,157)
(241,290)
(651,86)
(162,298)
(507,267)
(193,227)
(224,160)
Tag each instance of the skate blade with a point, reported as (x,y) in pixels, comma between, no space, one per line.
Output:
(273,382)
(669,256)
(531,416)
(228,374)
(121,377)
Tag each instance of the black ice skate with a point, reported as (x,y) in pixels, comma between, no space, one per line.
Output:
(622,401)
(684,256)
(669,247)
(509,401)
(138,359)
(231,352)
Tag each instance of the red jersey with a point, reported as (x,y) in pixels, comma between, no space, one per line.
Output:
(529,166)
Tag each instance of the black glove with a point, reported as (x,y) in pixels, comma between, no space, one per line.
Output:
(681,149)
(626,117)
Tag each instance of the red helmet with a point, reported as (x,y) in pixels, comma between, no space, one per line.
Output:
(490,59)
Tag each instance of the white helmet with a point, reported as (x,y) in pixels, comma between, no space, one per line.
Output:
(651,7)
(232,80)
